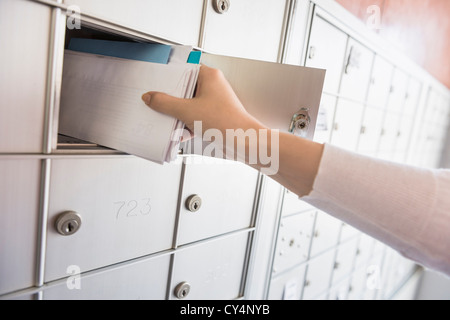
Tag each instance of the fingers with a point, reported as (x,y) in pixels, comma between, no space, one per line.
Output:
(166,104)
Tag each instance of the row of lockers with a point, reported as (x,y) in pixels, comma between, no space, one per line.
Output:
(323,258)
(375,108)
(129,208)
(133,226)
(214,269)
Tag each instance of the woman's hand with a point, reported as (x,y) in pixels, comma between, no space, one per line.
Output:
(215,104)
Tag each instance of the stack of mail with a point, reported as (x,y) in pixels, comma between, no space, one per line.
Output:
(103,82)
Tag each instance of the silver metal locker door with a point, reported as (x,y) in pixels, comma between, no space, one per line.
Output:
(138,280)
(380,83)
(325,118)
(397,95)
(412,98)
(326,233)
(175,20)
(364,251)
(356,75)
(248,29)
(370,131)
(340,291)
(226,191)
(389,135)
(288,286)
(127,206)
(19,207)
(318,276)
(347,232)
(213,270)
(24,35)
(347,124)
(327,51)
(294,238)
(345,259)
(358,284)
(292,204)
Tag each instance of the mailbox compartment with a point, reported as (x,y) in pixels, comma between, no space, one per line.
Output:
(294,238)
(247,29)
(127,207)
(19,207)
(176,20)
(23,76)
(288,286)
(226,191)
(213,270)
(137,280)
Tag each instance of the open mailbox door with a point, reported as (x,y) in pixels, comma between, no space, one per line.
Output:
(280,96)
(101,99)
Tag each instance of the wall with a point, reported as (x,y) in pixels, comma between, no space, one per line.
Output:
(420,29)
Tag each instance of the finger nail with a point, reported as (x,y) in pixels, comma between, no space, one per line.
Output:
(147,98)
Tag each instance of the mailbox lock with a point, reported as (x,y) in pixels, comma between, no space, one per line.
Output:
(68,223)
(182,290)
(221,6)
(300,123)
(193,203)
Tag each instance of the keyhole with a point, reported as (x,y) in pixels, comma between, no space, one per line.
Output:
(183,293)
(70,227)
(223,6)
(291,243)
(196,206)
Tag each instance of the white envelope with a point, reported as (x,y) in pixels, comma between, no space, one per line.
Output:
(101,103)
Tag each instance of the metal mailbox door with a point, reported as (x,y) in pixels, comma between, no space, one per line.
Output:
(127,206)
(175,20)
(137,280)
(248,29)
(19,207)
(211,270)
(23,65)
(226,192)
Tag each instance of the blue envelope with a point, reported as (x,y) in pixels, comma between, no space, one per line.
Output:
(149,52)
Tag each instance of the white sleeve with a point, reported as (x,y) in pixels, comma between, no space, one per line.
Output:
(405,207)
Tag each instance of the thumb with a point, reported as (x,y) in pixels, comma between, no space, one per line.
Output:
(165,103)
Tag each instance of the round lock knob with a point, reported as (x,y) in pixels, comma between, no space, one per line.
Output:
(300,123)
(182,290)
(193,203)
(68,223)
(221,6)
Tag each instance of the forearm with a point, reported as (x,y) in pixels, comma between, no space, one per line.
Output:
(298,160)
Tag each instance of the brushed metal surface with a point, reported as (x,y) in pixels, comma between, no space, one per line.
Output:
(272,92)
(128,207)
(24,34)
(214,269)
(19,206)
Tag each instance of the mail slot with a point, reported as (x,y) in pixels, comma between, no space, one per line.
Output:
(127,208)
